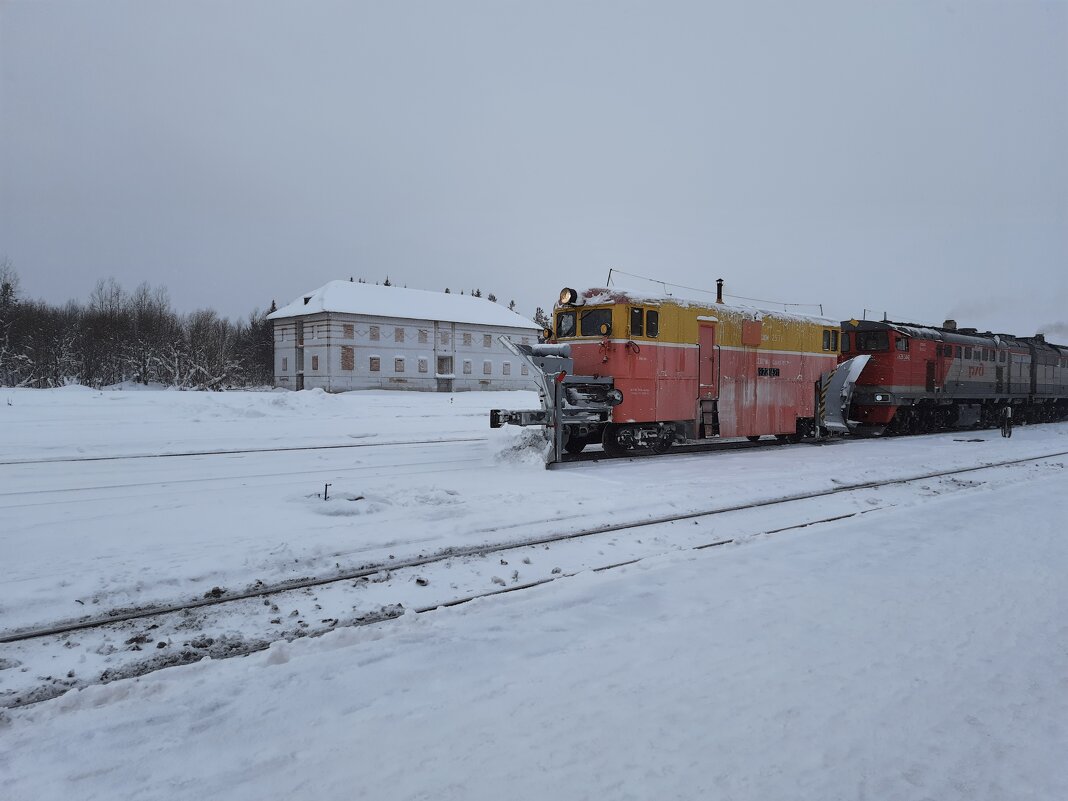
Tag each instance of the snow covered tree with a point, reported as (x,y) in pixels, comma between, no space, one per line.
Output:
(9,286)
(491,298)
(541,318)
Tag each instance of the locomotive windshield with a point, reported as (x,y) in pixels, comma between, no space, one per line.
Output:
(591,321)
(565,324)
(872,341)
(588,324)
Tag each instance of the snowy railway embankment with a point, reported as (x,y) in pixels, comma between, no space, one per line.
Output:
(610,554)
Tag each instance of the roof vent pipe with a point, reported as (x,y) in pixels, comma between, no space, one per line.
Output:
(719,290)
(950,325)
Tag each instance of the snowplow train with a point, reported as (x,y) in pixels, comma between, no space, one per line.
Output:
(635,374)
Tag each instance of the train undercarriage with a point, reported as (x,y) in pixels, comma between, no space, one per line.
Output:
(929,416)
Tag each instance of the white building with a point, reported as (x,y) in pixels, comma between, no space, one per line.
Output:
(347,335)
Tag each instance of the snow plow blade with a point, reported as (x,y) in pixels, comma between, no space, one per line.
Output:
(837,394)
(566,399)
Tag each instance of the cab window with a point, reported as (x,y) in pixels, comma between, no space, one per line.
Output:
(590,322)
(652,323)
(826,339)
(872,341)
(845,342)
(834,339)
(565,324)
(636,322)
(902,344)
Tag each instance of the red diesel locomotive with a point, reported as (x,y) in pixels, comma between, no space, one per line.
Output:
(921,378)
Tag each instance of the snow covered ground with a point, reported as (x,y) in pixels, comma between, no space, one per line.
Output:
(916,649)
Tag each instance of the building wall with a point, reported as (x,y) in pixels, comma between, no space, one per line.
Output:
(340,352)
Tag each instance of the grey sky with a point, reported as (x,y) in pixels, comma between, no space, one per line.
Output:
(897,156)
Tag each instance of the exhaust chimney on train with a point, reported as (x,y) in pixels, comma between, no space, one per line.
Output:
(719,290)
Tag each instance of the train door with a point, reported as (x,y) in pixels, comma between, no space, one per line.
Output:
(707,382)
(930,376)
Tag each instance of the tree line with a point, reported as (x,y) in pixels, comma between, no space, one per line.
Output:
(120,336)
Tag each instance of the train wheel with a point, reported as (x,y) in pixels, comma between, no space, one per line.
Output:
(617,440)
(753,438)
(663,443)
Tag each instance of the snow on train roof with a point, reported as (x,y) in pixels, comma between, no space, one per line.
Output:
(613,294)
(965,335)
(348,297)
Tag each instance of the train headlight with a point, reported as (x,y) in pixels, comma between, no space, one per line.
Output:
(606,329)
(614,397)
(569,297)
(880,397)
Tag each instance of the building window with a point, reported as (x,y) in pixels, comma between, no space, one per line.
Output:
(398,365)
(424,336)
(376,364)
(506,368)
(347,331)
(315,362)
(526,340)
(281,332)
(347,358)
(467,338)
(374,333)
(487,340)
(285,365)
(467,367)
(487,367)
(398,334)
(444,337)
(423,365)
(445,366)
(524,369)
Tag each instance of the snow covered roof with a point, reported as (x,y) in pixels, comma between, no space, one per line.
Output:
(599,295)
(392,301)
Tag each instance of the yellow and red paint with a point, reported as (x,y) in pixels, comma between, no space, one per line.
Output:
(759,366)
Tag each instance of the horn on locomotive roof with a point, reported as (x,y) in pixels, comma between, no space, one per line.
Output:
(719,290)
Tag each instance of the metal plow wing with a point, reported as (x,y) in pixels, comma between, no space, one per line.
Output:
(837,393)
(567,403)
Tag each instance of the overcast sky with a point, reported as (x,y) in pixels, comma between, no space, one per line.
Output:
(907,157)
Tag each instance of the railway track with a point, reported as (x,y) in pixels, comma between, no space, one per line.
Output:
(180,454)
(678,450)
(261,590)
